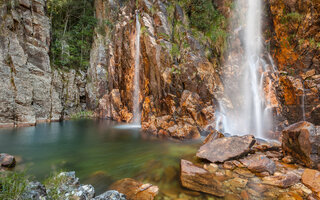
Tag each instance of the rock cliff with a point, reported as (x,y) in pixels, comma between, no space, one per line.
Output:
(180,68)
(30,91)
(178,82)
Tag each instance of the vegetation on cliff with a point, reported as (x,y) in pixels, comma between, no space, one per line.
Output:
(207,23)
(73,24)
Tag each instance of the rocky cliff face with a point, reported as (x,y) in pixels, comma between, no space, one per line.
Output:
(30,91)
(179,88)
(179,79)
(295,43)
(178,83)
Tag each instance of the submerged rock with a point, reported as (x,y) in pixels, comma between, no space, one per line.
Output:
(135,190)
(302,142)
(227,148)
(7,160)
(199,179)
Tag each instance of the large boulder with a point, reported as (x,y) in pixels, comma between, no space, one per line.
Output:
(227,148)
(302,142)
(199,179)
(135,190)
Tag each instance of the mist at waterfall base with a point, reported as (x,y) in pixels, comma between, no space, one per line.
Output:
(244,107)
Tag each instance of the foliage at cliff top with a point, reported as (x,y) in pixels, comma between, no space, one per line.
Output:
(207,22)
(73,25)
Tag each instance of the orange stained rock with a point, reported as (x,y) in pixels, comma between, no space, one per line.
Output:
(288,91)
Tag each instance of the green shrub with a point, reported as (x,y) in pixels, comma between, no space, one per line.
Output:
(73,24)
(52,185)
(12,185)
(83,115)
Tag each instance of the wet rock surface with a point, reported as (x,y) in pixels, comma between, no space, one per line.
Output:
(302,141)
(227,148)
(199,179)
(259,174)
(135,190)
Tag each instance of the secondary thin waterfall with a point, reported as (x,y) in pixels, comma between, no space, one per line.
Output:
(243,110)
(136,87)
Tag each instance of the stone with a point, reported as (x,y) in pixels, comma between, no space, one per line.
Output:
(236,182)
(259,163)
(290,196)
(311,178)
(199,179)
(308,74)
(134,190)
(110,195)
(282,180)
(315,115)
(7,160)
(35,190)
(229,165)
(228,148)
(302,142)
(288,160)
(214,134)
(211,167)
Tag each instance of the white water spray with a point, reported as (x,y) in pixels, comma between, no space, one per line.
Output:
(136,87)
(303,104)
(248,113)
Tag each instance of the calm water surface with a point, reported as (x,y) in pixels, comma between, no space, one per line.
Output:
(98,152)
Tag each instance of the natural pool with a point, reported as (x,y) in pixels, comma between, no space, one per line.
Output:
(99,153)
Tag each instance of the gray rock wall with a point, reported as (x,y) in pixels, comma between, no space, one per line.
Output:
(30,91)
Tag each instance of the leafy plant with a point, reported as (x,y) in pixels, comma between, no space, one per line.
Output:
(12,185)
(73,24)
(53,183)
(82,115)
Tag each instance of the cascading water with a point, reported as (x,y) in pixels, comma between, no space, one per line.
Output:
(244,110)
(136,87)
(302,103)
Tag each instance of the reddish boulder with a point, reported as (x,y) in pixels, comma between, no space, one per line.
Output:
(227,148)
(302,142)
(199,179)
(135,190)
(7,160)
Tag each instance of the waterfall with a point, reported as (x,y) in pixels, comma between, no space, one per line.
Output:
(303,103)
(136,87)
(245,110)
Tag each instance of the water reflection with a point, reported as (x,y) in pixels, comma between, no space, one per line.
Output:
(96,150)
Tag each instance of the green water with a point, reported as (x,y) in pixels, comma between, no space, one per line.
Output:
(98,152)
